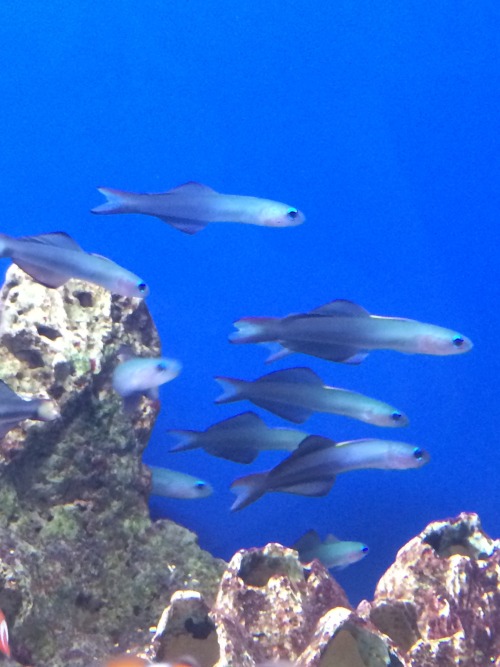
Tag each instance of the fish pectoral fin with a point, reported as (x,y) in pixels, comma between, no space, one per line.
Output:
(184,224)
(56,239)
(340,307)
(192,187)
(45,277)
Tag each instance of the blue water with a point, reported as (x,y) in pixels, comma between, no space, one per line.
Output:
(380,121)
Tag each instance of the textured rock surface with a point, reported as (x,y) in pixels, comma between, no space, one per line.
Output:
(82,568)
(440,600)
(269,607)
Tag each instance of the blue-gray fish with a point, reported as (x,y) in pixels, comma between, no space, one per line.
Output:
(238,438)
(312,468)
(175,484)
(52,259)
(345,332)
(333,553)
(14,409)
(141,376)
(190,207)
(295,393)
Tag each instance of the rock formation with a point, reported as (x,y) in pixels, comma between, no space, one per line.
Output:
(82,568)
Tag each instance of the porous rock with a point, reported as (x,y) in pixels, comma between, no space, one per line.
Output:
(83,570)
(440,600)
(272,607)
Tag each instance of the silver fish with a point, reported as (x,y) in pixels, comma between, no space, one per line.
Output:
(141,376)
(175,484)
(52,259)
(312,468)
(190,207)
(333,553)
(238,438)
(345,332)
(14,409)
(295,393)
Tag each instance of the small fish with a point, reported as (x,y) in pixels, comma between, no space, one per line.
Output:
(238,438)
(175,484)
(332,552)
(312,468)
(141,376)
(190,207)
(14,409)
(345,332)
(52,259)
(295,393)
(4,635)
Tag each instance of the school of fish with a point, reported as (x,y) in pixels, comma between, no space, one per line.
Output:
(340,331)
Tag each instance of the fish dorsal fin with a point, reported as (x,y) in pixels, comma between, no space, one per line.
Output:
(341,307)
(308,541)
(299,375)
(243,420)
(56,239)
(310,445)
(193,188)
(331,539)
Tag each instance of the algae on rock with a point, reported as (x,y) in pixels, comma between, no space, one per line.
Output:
(82,567)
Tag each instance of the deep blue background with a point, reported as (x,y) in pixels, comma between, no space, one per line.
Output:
(380,121)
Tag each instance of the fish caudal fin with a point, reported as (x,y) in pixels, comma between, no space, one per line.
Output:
(231,390)
(248,489)
(117,201)
(185,440)
(253,330)
(4,635)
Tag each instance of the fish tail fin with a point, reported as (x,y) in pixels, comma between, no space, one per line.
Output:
(4,636)
(117,201)
(4,245)
(231,390)
(185,440)
(277,351)
(253,330)
(248,489)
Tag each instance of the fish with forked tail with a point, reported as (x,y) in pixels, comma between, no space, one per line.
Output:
(344,332)
(295,393)
(192,206)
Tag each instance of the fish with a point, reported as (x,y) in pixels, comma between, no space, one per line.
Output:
(4,635)
(52,259)
(239,438)
(295,393)
(312,468)
(191,206)
(345,332)
(332,553)
(175,484)
(14,409)
(141,376)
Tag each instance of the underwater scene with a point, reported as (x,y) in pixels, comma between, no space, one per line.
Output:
(250,303)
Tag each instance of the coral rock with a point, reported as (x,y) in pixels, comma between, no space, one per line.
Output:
(440,600)
(82,568)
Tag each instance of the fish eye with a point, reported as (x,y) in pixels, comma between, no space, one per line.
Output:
(396,416)
(292,213)
(458,341)
(200,485)
(161,367)
(418,453)
(365,550)
(142,287)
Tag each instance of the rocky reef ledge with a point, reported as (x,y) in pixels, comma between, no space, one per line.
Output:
(84,573)
(83,570)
